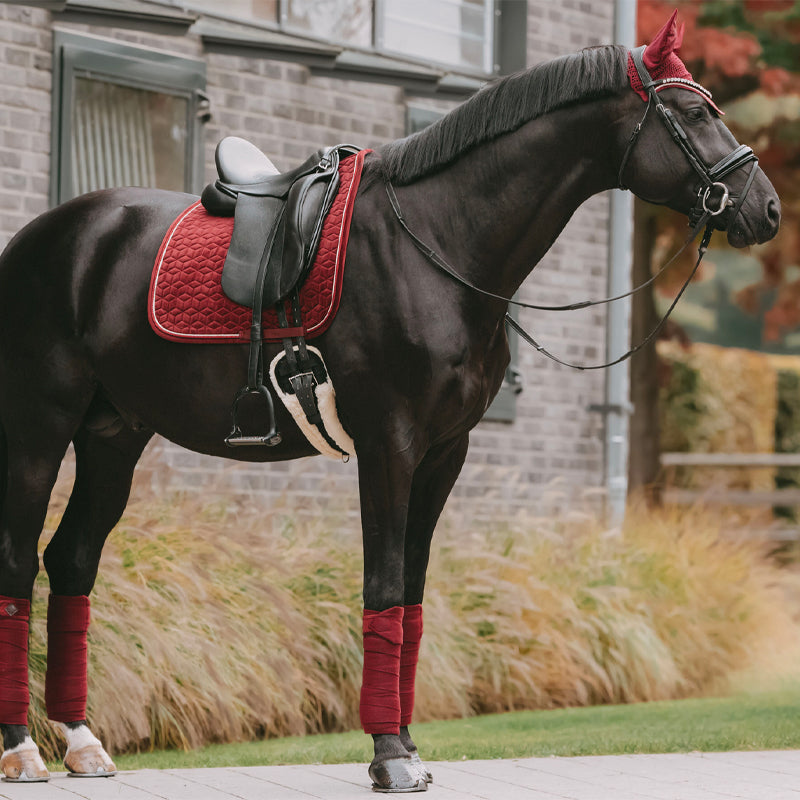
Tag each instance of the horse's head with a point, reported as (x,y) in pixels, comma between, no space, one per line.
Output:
(679,153)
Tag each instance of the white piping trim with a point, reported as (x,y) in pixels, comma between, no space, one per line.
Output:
(339,263)
(192,208)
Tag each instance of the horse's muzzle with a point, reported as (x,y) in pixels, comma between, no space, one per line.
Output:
(747,231)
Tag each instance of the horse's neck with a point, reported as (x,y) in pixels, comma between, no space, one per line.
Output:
(510,199)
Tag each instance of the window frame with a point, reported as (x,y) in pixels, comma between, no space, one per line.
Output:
(97,58)
(281,24)
(489,66)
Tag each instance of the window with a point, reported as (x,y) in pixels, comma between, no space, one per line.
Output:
(458,33)
(346,21)
(504,405)
(419,118)
(124,116)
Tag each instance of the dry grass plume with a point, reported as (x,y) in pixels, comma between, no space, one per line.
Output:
(215,624)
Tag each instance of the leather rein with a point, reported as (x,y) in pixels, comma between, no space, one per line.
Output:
(713,198)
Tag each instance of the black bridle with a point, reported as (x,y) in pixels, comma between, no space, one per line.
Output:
(712,191)
(713,198)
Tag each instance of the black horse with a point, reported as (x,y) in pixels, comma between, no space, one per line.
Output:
(415,356)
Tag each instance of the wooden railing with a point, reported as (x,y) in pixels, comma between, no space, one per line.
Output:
(724,496)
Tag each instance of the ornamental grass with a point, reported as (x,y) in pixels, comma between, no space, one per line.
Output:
(212,623)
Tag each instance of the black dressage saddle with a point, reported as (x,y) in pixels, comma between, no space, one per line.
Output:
(278,217)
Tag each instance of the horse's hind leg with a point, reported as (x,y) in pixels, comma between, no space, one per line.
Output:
(103,473)
(36,432)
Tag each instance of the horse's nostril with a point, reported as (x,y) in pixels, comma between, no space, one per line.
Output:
(774,213)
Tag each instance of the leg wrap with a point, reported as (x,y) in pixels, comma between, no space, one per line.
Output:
(380,685)
(65,683)
(14,693)
(409,655)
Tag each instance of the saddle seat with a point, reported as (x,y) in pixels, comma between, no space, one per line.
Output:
(278,217)
(240,161)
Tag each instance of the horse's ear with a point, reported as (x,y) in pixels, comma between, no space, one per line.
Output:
(665,42)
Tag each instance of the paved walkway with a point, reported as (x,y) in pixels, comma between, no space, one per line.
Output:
(694,776)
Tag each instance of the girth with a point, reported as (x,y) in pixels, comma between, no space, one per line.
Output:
(278,219)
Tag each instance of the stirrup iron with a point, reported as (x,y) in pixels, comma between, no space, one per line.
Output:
(236,438)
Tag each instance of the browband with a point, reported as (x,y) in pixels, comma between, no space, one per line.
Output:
(648,83)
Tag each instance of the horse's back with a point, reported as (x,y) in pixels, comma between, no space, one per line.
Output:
(61,263)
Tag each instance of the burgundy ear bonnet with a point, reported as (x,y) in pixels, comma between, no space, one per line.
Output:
(663,64)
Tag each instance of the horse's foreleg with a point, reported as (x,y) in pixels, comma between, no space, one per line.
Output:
(385,474)
(103,474)
(433,481)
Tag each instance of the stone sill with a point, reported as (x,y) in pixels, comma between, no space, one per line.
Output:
(221,34)
(338,61)
(139,14)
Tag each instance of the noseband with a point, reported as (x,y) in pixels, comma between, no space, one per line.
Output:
(713,196)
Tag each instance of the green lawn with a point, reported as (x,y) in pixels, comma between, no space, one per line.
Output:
(744,722)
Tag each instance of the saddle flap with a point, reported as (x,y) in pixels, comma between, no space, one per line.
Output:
(307,206)
(255,226)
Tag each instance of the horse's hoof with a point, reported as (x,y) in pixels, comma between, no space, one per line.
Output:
(419,765)
(396,775)
(91,761)
(23,764)
(85,756)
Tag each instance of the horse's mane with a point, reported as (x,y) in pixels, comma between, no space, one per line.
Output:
(503,107)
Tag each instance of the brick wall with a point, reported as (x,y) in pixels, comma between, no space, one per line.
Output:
(25,81)
(553,450)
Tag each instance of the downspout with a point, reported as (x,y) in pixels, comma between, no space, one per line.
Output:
(617,407)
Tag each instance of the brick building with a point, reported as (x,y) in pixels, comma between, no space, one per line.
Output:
(79,76)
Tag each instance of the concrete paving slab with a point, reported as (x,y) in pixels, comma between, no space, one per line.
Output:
(238,783)
(484,782)
(536,780)
(691,776)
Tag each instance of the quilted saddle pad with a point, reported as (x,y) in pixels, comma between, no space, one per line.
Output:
(186,302)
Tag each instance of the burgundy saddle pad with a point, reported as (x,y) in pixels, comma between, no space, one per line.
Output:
(186,302)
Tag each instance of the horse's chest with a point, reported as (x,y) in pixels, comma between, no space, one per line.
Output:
(474,376)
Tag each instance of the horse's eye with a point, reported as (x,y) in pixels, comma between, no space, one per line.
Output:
(695,114)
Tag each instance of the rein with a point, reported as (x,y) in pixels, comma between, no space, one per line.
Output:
(711,191)
(448,269)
